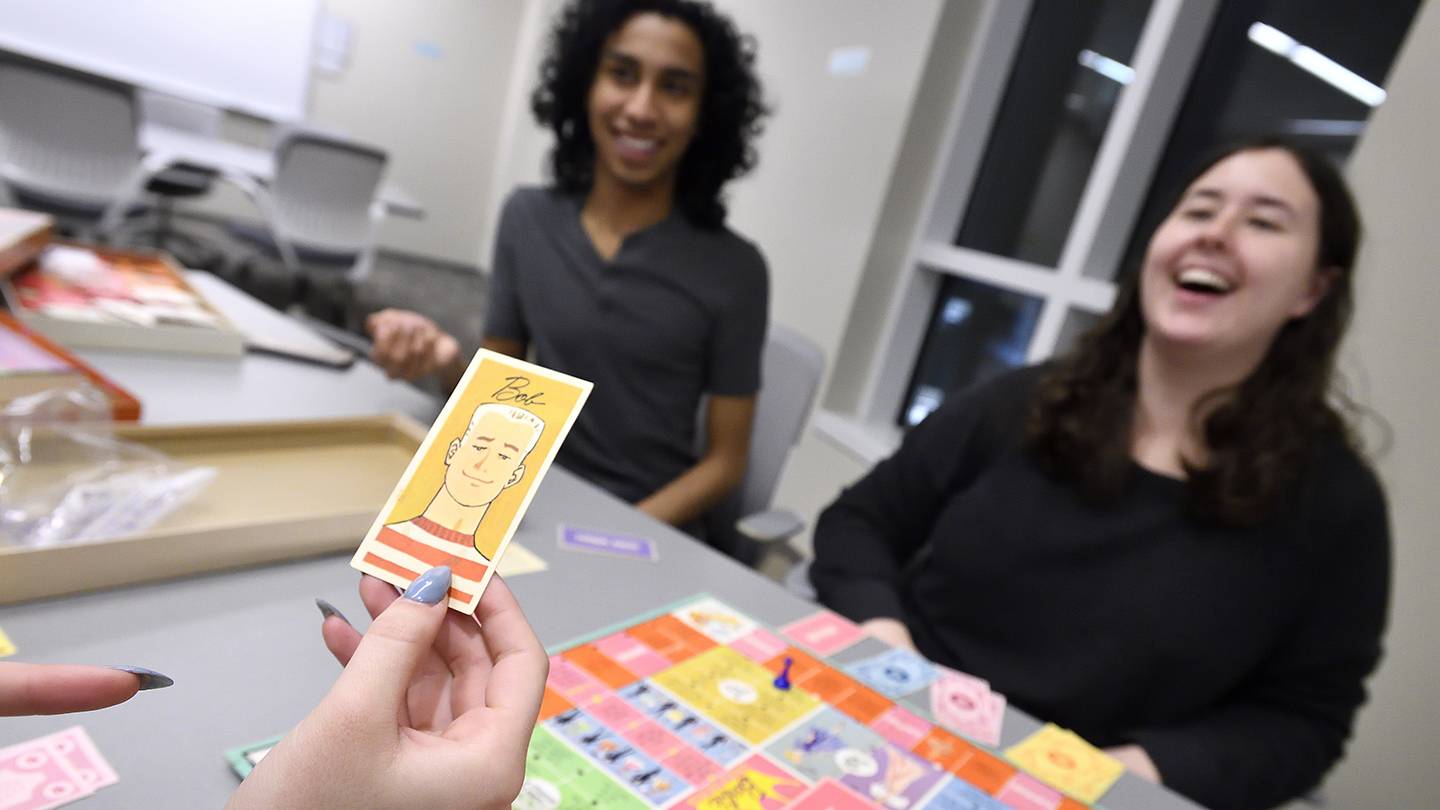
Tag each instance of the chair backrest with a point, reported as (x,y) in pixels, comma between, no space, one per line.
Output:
(66,135)
(791,367)
(174,112)
(323,189)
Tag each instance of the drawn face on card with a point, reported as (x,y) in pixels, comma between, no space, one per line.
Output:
(469,484)
(490,456)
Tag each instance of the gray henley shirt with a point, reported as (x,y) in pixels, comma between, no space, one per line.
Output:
(679,312)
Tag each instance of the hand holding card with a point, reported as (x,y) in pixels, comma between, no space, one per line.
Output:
(425,692)
(465,491)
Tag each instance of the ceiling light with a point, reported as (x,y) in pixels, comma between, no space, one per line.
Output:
(1107,67)
(1317,64)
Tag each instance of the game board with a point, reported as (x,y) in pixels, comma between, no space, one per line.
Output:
(680,710)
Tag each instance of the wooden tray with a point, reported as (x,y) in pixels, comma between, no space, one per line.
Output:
(284,490)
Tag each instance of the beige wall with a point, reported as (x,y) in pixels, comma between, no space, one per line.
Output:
(435,108)
(1393,359)
(818,468)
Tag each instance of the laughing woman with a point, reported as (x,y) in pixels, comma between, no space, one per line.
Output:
(623,272)
(1167,540)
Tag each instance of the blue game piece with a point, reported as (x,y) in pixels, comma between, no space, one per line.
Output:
(782,681)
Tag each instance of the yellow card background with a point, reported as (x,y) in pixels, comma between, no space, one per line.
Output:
(558,402)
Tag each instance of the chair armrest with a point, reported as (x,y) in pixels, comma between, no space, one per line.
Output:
(253,188)
(770,526)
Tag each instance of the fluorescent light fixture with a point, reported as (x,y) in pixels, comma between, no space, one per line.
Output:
(1107,67)
(1317,64)
(1272,39)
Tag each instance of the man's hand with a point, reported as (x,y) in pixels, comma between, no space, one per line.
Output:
(408,345)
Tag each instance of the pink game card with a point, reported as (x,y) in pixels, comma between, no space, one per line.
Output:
(76,747)
(33,776)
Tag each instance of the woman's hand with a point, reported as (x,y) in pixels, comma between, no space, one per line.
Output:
(890,631)
(408,345)
(1136,761)
(65,688)
(432,710)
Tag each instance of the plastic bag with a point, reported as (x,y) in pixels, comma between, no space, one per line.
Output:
(65,478)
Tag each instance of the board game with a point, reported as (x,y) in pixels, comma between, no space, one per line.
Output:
(681,710)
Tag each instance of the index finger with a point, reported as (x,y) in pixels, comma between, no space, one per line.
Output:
(62,688)
(517,678)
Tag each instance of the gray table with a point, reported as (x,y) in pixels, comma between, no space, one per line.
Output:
(244,647)
(191,389)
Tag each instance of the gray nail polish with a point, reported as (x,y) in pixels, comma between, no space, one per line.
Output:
(430,587)
(327,610)
(149,678)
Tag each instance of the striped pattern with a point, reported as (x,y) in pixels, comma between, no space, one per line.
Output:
(413,547)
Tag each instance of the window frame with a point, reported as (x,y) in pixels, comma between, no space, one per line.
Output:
(1166,54)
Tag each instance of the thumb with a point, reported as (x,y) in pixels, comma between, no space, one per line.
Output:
(380,670)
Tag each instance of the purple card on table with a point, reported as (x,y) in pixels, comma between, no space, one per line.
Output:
(575,538)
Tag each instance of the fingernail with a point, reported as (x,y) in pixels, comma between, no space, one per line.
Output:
(430,587)
(327,610)
(149,678)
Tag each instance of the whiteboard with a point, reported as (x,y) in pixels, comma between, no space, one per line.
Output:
(248,55)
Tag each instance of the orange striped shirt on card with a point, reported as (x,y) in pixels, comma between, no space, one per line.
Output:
(412,547)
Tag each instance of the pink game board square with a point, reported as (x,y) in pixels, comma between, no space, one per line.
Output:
(901,727)
(1024,792)
(826,633)
(760,645)
(831,795)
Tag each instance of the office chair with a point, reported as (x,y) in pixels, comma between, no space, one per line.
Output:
(322,206)
(70,144)
(744,525)
(181,179)
(323,213)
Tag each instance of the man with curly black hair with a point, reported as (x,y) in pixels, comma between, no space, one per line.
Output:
(622,271)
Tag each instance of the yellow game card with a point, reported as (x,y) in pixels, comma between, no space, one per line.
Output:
(7,647)
(1064,760)
(467,487)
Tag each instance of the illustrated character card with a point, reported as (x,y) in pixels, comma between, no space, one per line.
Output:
(471,481)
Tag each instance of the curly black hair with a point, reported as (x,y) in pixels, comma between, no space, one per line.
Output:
(732,106)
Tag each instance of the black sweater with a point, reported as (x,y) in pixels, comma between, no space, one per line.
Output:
(1235,658)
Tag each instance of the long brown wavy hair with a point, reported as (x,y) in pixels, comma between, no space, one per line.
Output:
(1260,432)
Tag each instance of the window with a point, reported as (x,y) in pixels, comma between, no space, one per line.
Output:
(1071,66)
(1309,69)
(1060,165)
(975,332)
